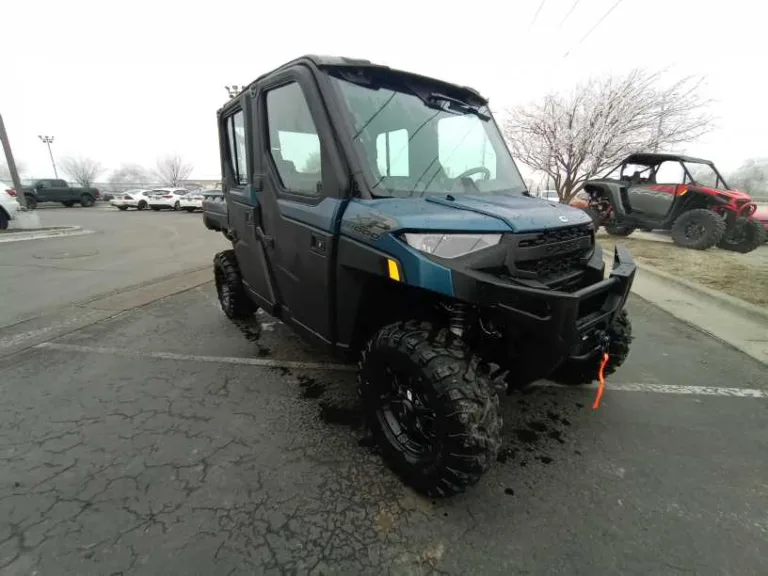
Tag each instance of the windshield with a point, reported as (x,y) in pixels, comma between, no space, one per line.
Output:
(705,175)
(414,145)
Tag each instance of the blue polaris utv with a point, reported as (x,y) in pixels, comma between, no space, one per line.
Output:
(380,214)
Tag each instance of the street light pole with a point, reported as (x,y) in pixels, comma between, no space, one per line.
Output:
(20,198)
(49,140)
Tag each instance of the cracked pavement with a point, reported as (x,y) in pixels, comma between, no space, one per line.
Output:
(116,464)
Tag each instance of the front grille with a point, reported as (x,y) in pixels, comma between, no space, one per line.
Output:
(554,267)
(558,235)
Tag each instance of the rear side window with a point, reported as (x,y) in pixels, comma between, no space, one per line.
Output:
(236,144)
(294,144)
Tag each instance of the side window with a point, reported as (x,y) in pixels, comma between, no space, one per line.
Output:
(294,144)
(463,144)
(670,173)
(236,140)
(392,153)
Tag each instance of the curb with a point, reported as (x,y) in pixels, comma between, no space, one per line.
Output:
(41,234)
(736,305)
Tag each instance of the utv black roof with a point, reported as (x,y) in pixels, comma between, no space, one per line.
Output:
(357,63)
(653,158)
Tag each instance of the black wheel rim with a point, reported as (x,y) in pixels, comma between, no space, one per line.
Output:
(405,417)
(694,231)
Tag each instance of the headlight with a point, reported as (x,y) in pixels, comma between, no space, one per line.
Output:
(451,245)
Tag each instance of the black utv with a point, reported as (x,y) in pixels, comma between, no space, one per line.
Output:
(380,214)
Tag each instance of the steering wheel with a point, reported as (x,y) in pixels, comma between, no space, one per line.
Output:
(476,170)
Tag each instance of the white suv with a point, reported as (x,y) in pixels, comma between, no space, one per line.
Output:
(9,207)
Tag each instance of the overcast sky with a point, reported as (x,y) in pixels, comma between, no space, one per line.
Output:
(130,81)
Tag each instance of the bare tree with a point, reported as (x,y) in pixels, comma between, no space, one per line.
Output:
(172,170)
(751,177)
(5,173)
(84,171)
(129,174)
(571,137)
(312,163)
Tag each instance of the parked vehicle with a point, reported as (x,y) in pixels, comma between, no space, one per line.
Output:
(54,190)
(9,206)
(550,195)
(345,224)
(193,200)
(166,198)
(132,199)
(685,195)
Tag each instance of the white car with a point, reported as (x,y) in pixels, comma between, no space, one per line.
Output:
(550,195)
(166,198)
(192,201)
(9,207)
(138,199)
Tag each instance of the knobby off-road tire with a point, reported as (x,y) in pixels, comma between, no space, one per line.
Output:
(597,219)
(619,229)
(744,236)
(229,287)
(447,382)
(698,229)
(575,372)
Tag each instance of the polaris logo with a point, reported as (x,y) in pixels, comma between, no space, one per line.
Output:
(562,219)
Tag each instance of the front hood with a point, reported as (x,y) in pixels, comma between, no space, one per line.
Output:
(519,213)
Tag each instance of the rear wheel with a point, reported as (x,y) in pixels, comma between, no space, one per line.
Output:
(430,408)
(619,229)
(597,219)
(698,229)
(744,236)
(86,201)
(142,205)
(229,287)
(575,372)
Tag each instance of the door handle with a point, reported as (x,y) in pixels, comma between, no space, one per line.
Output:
(317,243)
(268,241)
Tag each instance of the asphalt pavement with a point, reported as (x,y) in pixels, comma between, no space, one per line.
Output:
(126,248)
(167,440)
(141,432)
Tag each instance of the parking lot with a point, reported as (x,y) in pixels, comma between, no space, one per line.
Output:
(153,436)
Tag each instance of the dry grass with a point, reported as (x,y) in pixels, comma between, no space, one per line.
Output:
(716,269)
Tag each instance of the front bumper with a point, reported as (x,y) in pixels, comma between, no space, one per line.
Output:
(558,324)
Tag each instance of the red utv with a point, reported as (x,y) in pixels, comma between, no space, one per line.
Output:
(687,196)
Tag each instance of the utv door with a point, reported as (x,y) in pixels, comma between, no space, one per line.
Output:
(302,193)
(654,199)
(243,207)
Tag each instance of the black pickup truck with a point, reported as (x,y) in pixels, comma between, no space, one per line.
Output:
(53,190)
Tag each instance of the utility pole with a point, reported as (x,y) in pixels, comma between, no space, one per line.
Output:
(22,200)
(49,140)
(233,90)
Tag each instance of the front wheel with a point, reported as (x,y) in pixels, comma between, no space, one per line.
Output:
(31,202)
(743,236)
(229,286)
(430,407)
(142,205)
(698,229)
(575,372)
